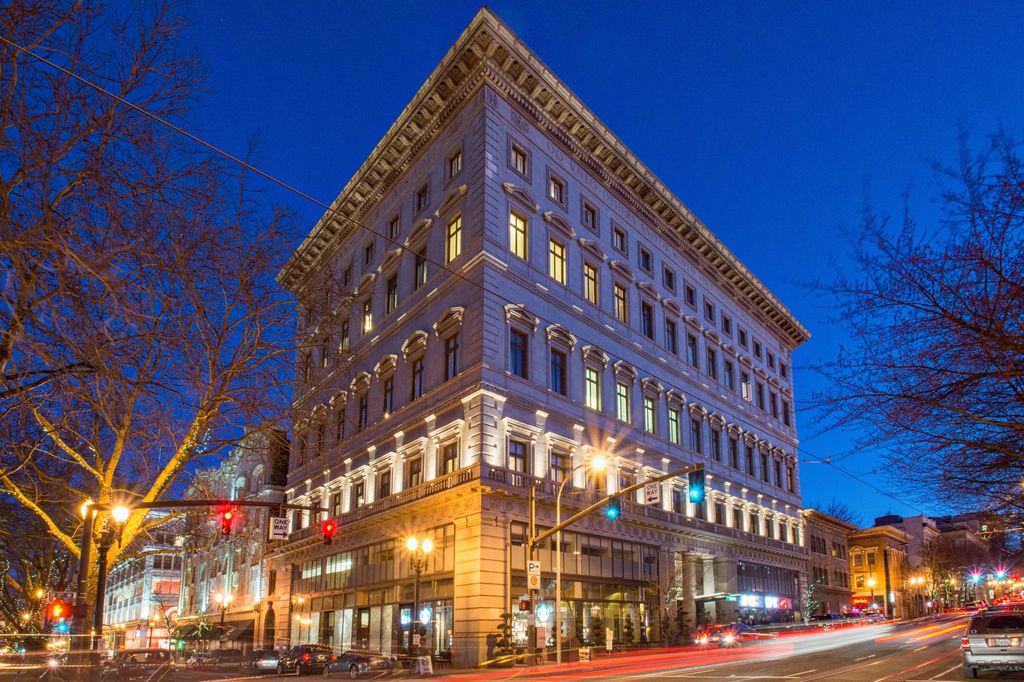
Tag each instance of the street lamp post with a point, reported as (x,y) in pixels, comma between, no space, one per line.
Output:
(222,602)
(597,463)
(419,549)
(871,586)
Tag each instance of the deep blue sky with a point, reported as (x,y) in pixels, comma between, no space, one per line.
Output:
(771,121)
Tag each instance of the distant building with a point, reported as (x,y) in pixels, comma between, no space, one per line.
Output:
(141,601)
(828,563)
(232,567)
(922,531)
(879,569)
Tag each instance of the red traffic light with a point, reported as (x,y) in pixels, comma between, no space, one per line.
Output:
(227,516)
(57,610)
(328,527)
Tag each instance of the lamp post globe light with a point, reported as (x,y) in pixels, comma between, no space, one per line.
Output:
(222,603)
(599,463)
(871,586)
(418,557)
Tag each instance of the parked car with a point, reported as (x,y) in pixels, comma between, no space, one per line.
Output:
(224,657)
(304,658)
(733,634)
(993,641)
(261,661)
(154,665)
(354,663)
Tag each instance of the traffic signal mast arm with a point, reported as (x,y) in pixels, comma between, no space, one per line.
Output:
(171,504)
(539,538)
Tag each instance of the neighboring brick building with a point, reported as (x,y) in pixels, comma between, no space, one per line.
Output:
(879,569)
(828,564)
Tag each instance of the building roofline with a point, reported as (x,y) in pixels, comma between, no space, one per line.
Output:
(822,517)
(488,51)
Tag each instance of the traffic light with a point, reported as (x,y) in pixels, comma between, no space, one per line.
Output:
(524,605)
(614,509)
(57,610)
(227,517)
(328,527)
(696,480)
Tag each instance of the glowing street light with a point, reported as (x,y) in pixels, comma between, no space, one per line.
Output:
(871,586)
(419,550)
(120,513)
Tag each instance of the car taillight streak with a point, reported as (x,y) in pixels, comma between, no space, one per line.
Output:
(965,643)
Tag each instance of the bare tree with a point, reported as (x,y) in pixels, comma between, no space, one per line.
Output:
(934,372)
(838,509)
(141,327)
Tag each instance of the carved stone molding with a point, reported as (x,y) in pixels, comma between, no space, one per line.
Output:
(419,231)
(560,223)
(623,270)
(450,319)
(594,355)
(590,246)
(386,366)
(516,312)
(672,307)
(451,198)
(624,371)
(521,196)
(648,289)
(559,335)
(415,344)
(360,383)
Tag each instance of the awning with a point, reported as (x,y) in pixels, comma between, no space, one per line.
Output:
(239,631)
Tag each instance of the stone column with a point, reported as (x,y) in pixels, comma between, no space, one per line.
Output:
(726,581)
(480,557)
(684,570)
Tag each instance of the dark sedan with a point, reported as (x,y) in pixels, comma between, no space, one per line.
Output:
(139,664)
(304,658)
(354,663)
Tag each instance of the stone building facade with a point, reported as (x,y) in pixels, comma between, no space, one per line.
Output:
(828,563)
(513,294)
(233,565)
(879,569)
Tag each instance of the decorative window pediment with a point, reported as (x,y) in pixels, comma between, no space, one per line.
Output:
(391,260)
(415,344)
(386,366)
(672,307)
(624,371)
(730,349)
(521,195)
(698,411)
(318,413)
(560,223)
(515,312)
(453,197)
(717,420)
(693,322)
(622,270)
(339,400)
(759,371)
(712,335)
(360,383)
(675,398)
(774,382)
(778,453)
(559,335)
(651,386)
(594,355)
(366,283)
(745,359)
(521,431)
(764,446)
(749,438)
(591,247)
(449,320)
(648,289)
(419,231)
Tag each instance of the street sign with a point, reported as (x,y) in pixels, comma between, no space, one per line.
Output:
(652,493)
(533,575)
(278,527)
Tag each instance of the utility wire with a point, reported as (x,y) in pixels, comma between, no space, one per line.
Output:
(327,207)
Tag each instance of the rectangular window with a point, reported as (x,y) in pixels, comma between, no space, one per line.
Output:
(420,274)
(453,242)
(755,523)
(422,197)
(592,388)
(590,283)
(383,484)
(368,254)
(716,445)
(785,413)
(765,472)
(790,483)
(556,190)
(451,356)
(335,505)
(712,363)
(668,278)
(517,235)
(771,360)
(720,513)
(364,411)
(358,498)
(367,316)
(556,261)
(760,395)
(589,216)
(449,458)
(734,453)
(454,164)
(339,430)
(393,226)
(773,404)
(343,344)
(757,349)
(709,310)
(729,375)
(690,296)
(517,354)
(644,259)
(746,390)
(417,378)
(647,319)
(414,472)
(783,370)
(389,396)
(520,161)
(622,402)
(678,501)
(742,336)
(673,426)
(778,474)
(750,458)
(517,456)
(727,325)
(619,240)
(392,300)
(696,442)
(691,349)
(621,304)
(558,371)
(671,342)
(560,466)
(649,415)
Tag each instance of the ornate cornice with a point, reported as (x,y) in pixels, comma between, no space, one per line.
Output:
(489,52)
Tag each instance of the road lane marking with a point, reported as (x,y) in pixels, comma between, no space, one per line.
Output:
(863,658)
(925,646)
(805,672)
(946,672)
